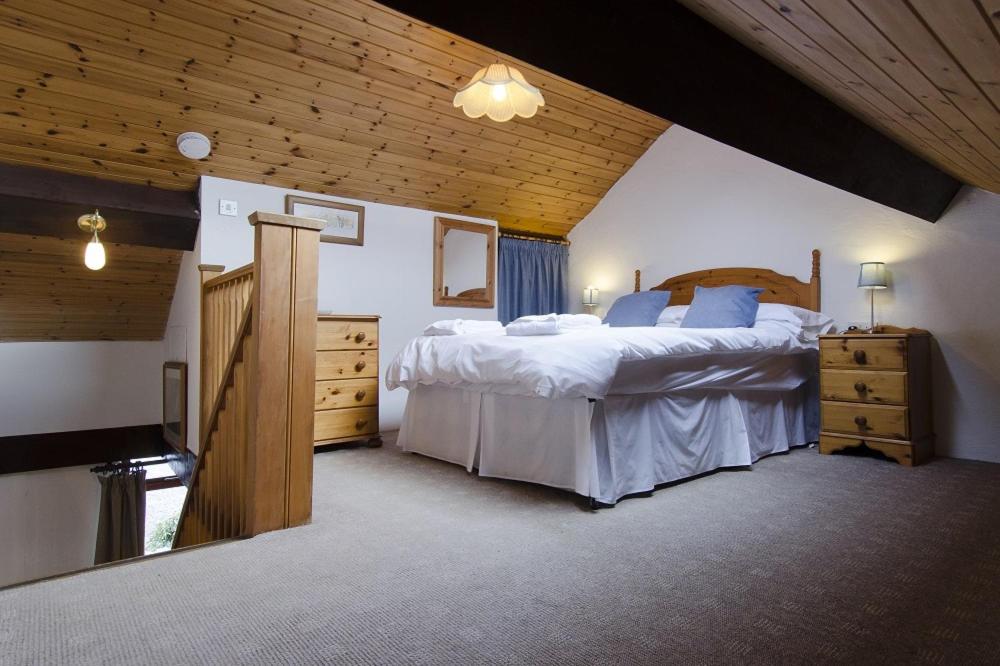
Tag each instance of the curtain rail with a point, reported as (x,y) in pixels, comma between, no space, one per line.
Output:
(540,239)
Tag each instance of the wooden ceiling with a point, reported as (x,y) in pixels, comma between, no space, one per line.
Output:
(924,72)
(345,97)
(46,293)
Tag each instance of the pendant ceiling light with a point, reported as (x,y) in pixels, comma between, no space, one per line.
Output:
(94,257)
(499,92)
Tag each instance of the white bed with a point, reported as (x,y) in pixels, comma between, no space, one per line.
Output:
(611,412)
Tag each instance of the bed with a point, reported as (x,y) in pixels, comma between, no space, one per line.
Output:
(608,413)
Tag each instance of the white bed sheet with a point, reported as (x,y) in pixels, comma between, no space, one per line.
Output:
(587,363)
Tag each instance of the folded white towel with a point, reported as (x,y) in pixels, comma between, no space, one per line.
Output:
(464,327)
(552,324)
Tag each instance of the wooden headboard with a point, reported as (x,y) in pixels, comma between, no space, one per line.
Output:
(777,288)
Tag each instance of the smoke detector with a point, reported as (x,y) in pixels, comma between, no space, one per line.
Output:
(194,145)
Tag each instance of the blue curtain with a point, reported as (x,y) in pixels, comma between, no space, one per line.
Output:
(533,278)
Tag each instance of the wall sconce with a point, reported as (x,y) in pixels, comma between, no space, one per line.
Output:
(94,257)
(591,296)
(872,278)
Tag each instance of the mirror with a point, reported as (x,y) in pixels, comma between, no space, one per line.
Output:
(175,404)
(464,263)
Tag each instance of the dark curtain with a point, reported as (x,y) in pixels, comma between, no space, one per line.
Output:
(533,278)
(122,524)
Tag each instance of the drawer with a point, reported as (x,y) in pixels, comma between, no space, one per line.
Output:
(338,423)
(863,386)
(863,352)
(346,364)
(902,452)
(342,334)
(340,393)
(870,420)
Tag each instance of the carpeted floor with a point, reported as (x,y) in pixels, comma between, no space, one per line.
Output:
(804,559)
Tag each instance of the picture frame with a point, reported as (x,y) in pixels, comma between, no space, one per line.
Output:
(174,421)
(345,222)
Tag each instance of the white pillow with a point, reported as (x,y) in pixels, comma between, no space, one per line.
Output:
(808,325)
(672,315)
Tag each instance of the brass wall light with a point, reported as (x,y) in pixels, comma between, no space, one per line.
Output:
(94,257)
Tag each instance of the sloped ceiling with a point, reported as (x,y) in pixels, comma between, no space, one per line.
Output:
(345,97)
(46,293)
(925,72)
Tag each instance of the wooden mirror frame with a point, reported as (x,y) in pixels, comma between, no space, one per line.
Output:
(477,299)
(179,442)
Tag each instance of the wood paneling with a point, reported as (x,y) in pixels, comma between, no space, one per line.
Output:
(344,97)
(925,72)
(46,293)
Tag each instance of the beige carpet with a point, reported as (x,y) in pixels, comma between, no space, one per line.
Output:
(804,559)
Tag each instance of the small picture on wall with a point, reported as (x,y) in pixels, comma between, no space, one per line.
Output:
(345,223)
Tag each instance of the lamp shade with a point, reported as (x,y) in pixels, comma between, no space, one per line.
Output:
(591,295)
(499,92)
(872,275)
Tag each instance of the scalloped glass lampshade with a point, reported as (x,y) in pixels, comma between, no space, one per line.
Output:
(500,93)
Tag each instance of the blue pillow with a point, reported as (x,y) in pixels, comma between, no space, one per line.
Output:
(638,309)
(722,307)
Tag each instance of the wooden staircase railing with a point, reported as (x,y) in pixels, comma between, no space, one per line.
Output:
(224,299)
(254,467)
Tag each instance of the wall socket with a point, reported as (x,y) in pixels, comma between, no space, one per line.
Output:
(227,208)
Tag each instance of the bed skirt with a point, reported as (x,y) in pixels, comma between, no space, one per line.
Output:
(609,448)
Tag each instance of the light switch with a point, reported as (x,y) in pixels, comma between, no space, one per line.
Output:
(227,208)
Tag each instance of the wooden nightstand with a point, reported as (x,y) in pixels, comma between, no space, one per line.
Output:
(876,392)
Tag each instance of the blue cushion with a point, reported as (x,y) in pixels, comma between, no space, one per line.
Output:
(638,309)
(722,307)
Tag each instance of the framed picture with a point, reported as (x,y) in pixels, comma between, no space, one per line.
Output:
(175,404)
(344,223)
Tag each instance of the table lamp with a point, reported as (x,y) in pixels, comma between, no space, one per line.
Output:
(872,278)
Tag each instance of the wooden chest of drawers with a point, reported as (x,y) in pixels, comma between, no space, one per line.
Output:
(875,391)
(347,379)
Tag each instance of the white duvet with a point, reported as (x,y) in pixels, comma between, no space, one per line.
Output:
(579,364)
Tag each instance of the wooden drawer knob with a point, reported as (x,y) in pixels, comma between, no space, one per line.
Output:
(860,357)
(360,424)
(359,337)
(359,366)
(360,395)
(860,387)
(861,421)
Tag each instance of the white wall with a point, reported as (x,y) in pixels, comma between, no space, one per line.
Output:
(48,521)
(61,386)
(391,275)
(182,341)
(691,203)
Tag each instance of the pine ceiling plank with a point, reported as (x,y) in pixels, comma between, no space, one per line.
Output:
(151,130)
(811,51)
(46,293)
(310,29)
(362,112)
(72,94)
(964,30)
(369,18)
(795,53)
(374,93)
(252,161)
(215,99)
(944,120)
(898,22)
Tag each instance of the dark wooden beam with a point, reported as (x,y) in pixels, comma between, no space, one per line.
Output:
(27,453)
(47,203)
(660,57)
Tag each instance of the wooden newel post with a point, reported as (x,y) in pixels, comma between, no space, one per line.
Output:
(283,371)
